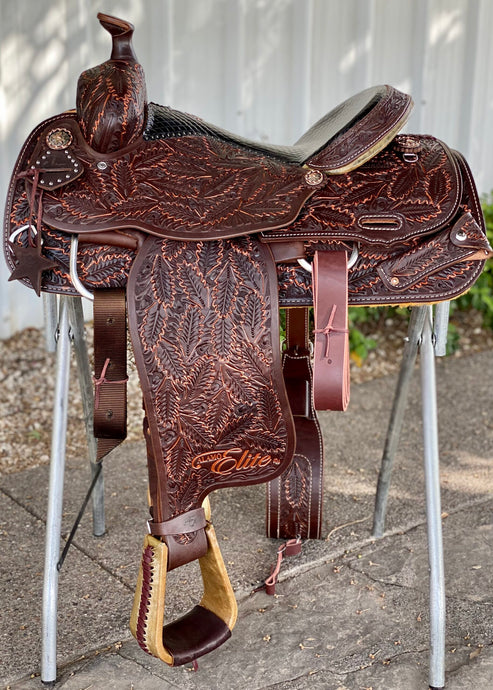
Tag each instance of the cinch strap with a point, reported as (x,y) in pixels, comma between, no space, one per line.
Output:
(110,369)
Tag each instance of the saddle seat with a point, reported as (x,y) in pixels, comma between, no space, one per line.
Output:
(345,138)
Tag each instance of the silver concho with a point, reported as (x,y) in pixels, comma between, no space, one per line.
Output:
(314,177)
(59,138)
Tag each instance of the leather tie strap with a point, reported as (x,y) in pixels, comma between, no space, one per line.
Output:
(110,369)
(331,355)
(290,548)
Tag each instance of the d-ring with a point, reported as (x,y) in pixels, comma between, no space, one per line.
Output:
(84,292)
(352,260)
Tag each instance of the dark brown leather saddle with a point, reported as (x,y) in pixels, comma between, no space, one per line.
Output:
(202,235)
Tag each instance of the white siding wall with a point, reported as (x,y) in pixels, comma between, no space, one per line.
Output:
(266,69)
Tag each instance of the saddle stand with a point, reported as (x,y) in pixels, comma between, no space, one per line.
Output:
(196,237)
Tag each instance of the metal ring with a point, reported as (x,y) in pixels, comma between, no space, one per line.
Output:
(84,292)
(352,260)
(17,232)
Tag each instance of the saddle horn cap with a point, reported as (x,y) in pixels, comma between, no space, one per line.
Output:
(121,33)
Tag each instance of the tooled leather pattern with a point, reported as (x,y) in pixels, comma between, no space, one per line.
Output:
(431,270)
(386,201)
(392,107)
(296,497)
(419,206)
(184,188)
(111,101)
(203,339)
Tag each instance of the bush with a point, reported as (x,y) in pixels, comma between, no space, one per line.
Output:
(480,296)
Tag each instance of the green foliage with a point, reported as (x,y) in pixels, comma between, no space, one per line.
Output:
(453,339)
(360,344)
(480,296)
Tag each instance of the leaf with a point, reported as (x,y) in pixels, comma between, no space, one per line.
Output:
(336,218)
(123,179)
(161,282)
(222,337)
(200,378)
(210,257)
(166,401)
(219,411)
(194,286)
(234,431)
(225,291)
(235,386)
(404,183)
(189,332)
(178,460)
(438,186)
(247,271)
(263,439)
(295,485)
(152,325)
(363,193)
(269,408)
(170,359)
(254,322)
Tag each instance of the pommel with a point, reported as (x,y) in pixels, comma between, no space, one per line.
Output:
(111,97)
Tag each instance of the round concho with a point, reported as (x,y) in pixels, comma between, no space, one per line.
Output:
(59,138)
(314,177)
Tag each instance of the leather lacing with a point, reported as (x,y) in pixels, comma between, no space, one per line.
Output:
(101,380)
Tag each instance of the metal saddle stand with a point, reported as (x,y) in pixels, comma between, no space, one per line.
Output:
(427,333)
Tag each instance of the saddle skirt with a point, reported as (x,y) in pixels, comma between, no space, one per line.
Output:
(201,236)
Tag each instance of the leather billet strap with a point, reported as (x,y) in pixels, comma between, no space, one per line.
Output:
(331,352)
(294,500)
(110,369)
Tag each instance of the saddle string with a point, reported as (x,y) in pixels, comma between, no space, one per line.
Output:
(292,547)
(330,328)
(101,380)
(35,175)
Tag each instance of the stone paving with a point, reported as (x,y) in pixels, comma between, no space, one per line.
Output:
(350,613)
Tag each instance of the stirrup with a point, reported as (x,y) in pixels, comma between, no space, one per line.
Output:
(203,628)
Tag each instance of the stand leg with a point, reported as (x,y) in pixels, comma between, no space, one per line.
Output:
(433,506)
(50,320)
(85,382)
(440,329)
(55,498)
(396,418)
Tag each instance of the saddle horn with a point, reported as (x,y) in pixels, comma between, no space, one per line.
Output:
(111,98)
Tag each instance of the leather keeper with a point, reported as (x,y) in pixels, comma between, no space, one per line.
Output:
(191,521)
(287,251)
